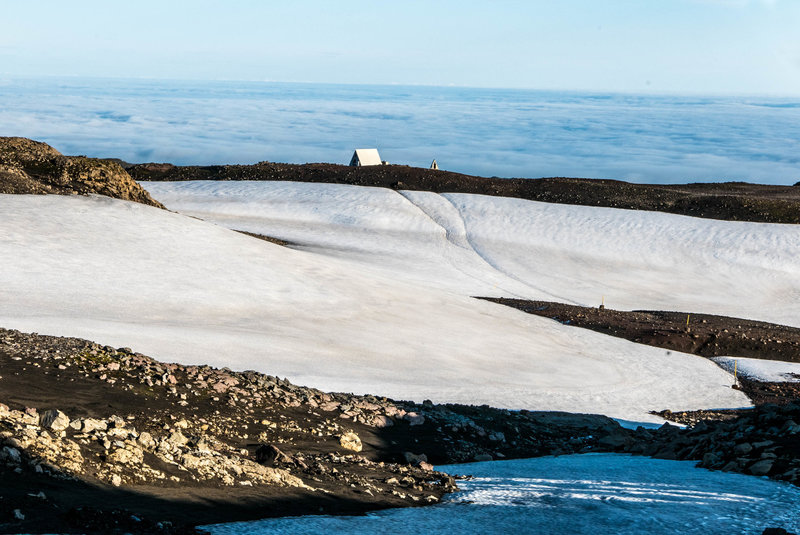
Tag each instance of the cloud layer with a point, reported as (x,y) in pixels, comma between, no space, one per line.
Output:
(478,131)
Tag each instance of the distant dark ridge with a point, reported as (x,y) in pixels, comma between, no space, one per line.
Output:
(734,201)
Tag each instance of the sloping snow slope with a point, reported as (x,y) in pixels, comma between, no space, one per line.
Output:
(182,289)
(495,246)
(371,226)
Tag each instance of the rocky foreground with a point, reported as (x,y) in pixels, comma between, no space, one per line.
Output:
(94,437)
(100,439)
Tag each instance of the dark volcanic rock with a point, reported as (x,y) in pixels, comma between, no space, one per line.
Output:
(28,166)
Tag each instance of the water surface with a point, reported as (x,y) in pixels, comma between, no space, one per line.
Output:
(578,494)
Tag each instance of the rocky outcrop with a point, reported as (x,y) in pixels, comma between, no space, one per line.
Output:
(28,166)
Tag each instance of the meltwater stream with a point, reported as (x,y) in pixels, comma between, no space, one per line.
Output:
(594,493)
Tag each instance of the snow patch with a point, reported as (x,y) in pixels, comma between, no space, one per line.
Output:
(497,246)
(185,290)
(771,371)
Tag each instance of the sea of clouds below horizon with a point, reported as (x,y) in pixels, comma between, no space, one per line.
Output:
(488,132)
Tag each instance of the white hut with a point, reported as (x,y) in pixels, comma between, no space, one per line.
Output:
(362,157)
(434,165)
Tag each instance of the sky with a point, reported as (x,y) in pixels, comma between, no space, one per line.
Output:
(658,46)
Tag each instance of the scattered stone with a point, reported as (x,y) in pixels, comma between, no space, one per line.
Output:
(413,459)
(414,419)
(761,468)
(270,454)
(350,441)
(54,419)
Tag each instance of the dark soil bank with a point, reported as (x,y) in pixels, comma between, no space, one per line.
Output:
(731,201)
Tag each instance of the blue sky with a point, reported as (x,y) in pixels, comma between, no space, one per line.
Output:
(683,46)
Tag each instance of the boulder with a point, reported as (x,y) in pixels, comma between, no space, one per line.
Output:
(414,418)
(329,406)
(414,459)
(127,455)
(92,424)
(270,454)
(381,421)
(761,468)
(711,459)
(350,441)
(10,455)
(145,440)
(763,444)
(615,439)
(54,420)
(176,439)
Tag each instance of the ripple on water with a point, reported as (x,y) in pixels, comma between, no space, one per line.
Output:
(596,493)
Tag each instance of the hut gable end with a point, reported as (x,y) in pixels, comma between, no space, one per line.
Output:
(362,157)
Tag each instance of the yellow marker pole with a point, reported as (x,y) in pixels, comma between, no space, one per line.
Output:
(687,320)
(735,375)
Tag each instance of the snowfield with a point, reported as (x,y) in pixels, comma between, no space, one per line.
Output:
(771,371)
(186,290)
(496,246)
(590,493)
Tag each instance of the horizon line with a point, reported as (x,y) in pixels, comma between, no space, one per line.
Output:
(644,92)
